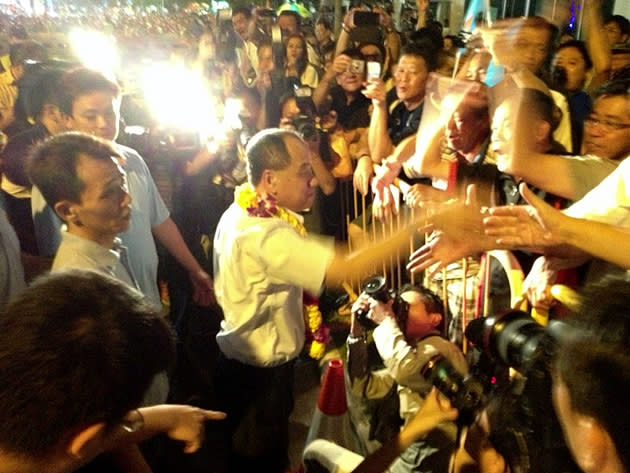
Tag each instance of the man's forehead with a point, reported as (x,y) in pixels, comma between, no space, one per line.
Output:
(411,60)
(95,97)
(287,19)
(534,34)
(605,105)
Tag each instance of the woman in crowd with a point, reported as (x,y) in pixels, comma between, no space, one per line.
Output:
(296,62)
(572,67)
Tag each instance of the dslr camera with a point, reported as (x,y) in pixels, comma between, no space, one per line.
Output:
(511,380)
(376,287)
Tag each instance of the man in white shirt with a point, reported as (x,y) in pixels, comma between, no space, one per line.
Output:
(264,263)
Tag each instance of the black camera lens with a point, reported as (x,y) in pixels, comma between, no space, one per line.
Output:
(464,392)
(559,77)
(375,287)
(513,338)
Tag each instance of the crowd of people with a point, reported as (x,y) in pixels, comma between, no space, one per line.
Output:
(333,157)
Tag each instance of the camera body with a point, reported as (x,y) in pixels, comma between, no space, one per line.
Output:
(559,78)
(466,393)
(376,287)
(523,426)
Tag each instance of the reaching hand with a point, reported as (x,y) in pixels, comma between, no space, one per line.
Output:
(435,409)
(441,250)
(341,64)
(363,174)
(459,233)
(188,425)
(522,226)
(376,311)
(375,90)
(537,285)
(418,194)
(422,5)
(203,291)
(386,203)
(385,174)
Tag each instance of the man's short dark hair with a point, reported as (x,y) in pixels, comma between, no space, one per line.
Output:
(353,53)
(27,50)
(428,54)
(621,21)
(377,44)
(581,47)
(594,363)
(613,88)
(428,37)
(82,81)
(292,14)
(324,22)
(76,348)
(433,303)
(537,104)
(245,11)
(538,22)
(52,166)
(268,150)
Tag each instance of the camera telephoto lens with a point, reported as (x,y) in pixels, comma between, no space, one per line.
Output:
(464,392)
(375,287)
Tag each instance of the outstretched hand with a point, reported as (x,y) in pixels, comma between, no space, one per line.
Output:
(188,425)
(521,226)
(435,409)
(386,203)
(458,233)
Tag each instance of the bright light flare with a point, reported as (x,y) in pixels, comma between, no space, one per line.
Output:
(95,50)
(180,99)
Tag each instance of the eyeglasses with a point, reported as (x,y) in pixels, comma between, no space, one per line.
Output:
(606,124)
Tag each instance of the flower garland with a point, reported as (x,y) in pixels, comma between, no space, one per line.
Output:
(316,332)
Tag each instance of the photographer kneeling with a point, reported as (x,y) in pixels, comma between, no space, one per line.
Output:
(408,335)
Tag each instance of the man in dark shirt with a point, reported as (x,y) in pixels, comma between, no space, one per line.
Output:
(340,91)
(16,186)
(393,128)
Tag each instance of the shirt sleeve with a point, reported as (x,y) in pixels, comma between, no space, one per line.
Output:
(302,261)
(586,172)
(363,382)
(158,212)
(403,361)
(609,202)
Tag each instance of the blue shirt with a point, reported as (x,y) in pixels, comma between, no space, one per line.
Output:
(147,211)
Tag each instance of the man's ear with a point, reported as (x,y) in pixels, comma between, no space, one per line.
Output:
(68,121)
(55,115)
(66,211)
(436,318)
(269,181)
(542,130)
(81,444)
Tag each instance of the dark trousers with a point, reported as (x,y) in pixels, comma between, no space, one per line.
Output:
(258,402)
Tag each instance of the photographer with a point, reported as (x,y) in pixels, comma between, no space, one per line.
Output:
(408,336)
(591,381)
(298,113)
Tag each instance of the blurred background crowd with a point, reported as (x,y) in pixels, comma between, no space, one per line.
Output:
(403,107)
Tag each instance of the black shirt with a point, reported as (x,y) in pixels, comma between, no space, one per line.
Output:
(355,114)
(402,122)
